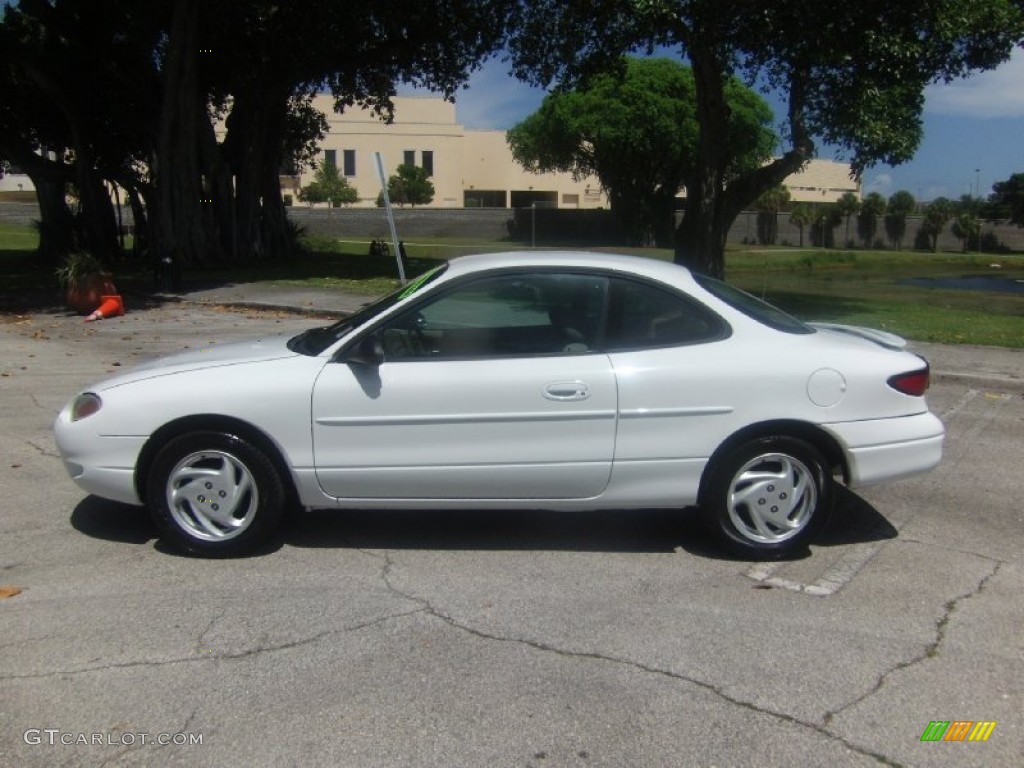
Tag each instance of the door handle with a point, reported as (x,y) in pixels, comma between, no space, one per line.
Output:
(567,390)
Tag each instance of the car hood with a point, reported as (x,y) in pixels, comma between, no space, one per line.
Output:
(235,353)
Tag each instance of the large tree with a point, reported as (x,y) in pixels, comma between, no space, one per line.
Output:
(851,74)
(636,130)
(1007,199)
(264,60)
(78,105)
(195,107)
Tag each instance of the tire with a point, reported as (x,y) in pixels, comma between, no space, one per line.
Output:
(768,498)
(214,494)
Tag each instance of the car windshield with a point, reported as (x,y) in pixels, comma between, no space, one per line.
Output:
(753,307)
(315,340)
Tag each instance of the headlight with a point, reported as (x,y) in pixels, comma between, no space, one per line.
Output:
(85,405)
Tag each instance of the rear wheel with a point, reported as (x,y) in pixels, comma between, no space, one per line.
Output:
(214,494)
(768,497)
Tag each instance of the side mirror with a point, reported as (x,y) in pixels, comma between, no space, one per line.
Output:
(368,351)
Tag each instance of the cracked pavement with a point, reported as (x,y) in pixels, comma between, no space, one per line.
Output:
(499,639)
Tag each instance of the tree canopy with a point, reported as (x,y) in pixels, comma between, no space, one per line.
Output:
(852,75)
(193,108)
(636,130)
(410,185)
(1007,199)
(329,186)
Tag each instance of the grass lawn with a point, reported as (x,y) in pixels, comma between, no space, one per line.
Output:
(856,287)
(870,288)
(17,238)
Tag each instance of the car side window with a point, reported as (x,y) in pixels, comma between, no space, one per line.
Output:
(641,315)
(510,315)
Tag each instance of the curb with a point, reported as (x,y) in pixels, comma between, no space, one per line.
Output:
(991,383)
(265,306)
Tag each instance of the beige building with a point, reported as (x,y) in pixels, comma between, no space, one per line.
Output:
(472,168)
(468,168)
(822,181)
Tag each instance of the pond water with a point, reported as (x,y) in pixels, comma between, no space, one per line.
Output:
(970,283)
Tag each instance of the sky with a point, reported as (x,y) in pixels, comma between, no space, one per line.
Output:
(973,129)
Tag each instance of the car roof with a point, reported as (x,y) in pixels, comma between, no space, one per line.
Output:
(637,265)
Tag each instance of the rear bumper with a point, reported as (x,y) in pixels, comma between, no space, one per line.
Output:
(879,450)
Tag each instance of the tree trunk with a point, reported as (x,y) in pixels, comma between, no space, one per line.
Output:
(181,230)
(253,147)
(49,178)
(712,205)
(700,239)
(55,239)
(97,223)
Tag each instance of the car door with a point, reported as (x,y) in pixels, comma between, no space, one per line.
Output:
(675,406)
(488,391)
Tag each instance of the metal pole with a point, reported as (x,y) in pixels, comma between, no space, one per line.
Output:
(977,202)
(533,225)
(391,216)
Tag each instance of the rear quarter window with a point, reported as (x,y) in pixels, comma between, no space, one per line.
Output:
(641,315)
(753,307)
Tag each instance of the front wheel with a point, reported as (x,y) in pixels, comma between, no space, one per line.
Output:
(214,494)
(768,497)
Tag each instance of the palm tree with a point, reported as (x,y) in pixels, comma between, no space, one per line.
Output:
(900,205)
(939,212)
(801,215)
(768,206)
(848,205)
(871,208)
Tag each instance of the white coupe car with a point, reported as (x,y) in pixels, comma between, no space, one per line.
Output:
(562,381)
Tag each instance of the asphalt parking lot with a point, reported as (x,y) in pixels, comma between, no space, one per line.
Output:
(523,639)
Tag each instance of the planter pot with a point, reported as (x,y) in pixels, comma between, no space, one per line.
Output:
(86,296)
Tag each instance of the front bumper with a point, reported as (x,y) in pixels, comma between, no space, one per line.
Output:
(878,450)
(102,465)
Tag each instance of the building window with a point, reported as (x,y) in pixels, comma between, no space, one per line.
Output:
(428,162)
(485,198)
(331,157)
(409,157)
(349,158)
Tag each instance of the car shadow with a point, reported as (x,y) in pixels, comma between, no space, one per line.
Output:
(854,521)
(123,523)
(595,531)
(112,521)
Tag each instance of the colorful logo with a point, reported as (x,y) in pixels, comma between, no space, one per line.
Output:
(958,730)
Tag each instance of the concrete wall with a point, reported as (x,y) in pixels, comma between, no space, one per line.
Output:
(549,227)
(574,227)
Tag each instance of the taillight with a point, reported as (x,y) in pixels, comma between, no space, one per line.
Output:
(914,383)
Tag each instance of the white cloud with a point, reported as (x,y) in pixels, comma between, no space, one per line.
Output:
(880,182)
(495,100)
(492,99)
(997,93)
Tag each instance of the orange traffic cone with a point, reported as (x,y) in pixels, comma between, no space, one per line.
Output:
(110,306)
